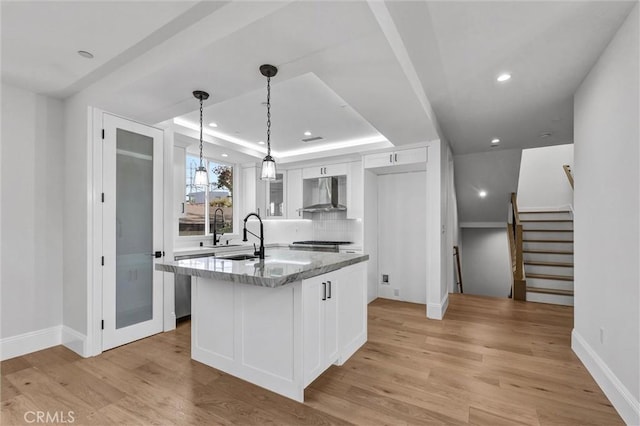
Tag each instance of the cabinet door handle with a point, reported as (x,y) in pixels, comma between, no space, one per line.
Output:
(396,157)
(324,291)
(182,208)
(391,158)
(329,296)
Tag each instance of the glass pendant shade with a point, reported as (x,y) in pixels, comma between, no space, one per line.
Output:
(268,168)
(202,177)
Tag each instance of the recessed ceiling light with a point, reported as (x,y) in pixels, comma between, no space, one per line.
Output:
(307,133)
(212,124)
(85,54)
(482,194)
(495,140)
(225,155)
(260,142)
(504,77)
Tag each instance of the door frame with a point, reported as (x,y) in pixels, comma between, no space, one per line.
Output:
(93,342)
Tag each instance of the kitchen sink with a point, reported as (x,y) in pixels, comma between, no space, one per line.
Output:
(221,246)
(239,257)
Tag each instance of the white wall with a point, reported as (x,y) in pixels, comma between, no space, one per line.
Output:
(485,261)
(32,205)
(543,182)
(606,334)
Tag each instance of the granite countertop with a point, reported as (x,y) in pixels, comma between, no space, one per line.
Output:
(281,266)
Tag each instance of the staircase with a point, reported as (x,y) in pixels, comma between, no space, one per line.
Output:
(547,245)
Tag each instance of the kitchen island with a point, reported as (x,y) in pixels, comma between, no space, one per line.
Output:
(278,322)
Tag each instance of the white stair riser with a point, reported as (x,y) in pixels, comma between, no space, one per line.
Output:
(548,246)
(549,215)
(547,225)
(528,235)
(550,270)
(548,257)
(554,299)
(554,284)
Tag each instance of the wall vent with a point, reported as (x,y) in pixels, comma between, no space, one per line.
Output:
(313,139)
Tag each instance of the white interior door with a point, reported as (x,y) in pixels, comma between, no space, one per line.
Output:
(132,229)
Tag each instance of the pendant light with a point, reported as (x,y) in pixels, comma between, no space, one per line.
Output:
(268,164)
(202,177)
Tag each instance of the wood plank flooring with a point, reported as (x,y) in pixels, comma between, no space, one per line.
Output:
(490,361)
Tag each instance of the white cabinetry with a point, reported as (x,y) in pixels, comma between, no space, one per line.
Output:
(253,192)
(325,171)
(294,194)
(320,325)
(275,205)
(355,191)
(393,161)
(280,338)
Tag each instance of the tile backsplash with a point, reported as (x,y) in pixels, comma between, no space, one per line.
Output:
(333,226)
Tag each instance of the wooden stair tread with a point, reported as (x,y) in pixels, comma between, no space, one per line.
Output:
(542,212)
(547,230)
(551,277)
(546,220)
(547,251)
(542,263)
(549,291)
(548,241)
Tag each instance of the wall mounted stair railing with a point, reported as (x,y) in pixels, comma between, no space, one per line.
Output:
(514,231)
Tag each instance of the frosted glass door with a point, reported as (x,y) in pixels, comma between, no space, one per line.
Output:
(132,289)
(134,228)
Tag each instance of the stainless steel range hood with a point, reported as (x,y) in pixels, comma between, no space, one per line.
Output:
(328,196)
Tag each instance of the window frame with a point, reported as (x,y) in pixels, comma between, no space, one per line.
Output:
(235,208)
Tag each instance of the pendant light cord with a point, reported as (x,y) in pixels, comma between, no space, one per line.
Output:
(268,115)
(201,132)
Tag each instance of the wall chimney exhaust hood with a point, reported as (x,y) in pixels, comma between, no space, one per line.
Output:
(325,194)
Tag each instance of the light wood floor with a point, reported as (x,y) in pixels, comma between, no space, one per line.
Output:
(490,361)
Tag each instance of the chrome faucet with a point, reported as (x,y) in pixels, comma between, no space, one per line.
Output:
(259,252)
(216,237)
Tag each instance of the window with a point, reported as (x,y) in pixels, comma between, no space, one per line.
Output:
(205,207)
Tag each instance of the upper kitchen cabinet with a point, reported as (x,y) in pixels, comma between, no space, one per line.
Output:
(325,171)
(253,192)
(413,159)
(355,191)
(275,196)
(293,206)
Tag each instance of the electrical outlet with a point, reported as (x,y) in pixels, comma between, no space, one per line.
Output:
(601,335)
(396,292)
(385,279)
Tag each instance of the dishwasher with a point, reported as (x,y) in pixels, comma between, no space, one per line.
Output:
(183,291)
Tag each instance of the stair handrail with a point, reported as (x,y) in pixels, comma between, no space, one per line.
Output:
(569,173)
(456,254)
(517,256)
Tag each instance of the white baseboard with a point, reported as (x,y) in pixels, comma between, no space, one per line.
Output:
(74,340)
(33,341)
(623,401)
(437,310)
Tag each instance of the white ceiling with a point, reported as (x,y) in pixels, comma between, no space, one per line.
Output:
(492,172)
(459,48)
(300,104)
(40,40)
(380,59)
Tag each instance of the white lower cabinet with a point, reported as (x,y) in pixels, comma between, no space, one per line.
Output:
(279,338)
(320,325)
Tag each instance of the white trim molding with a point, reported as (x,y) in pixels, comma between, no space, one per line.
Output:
(33,341)
(74,340)
(483,224)
(437,310)
(621,398)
